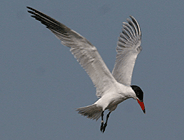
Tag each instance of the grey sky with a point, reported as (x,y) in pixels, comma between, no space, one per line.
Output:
(41,84)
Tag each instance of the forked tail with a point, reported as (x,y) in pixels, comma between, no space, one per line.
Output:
(92,111)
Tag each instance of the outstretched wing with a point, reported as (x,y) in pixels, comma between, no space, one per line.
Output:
(129,46)
(85,53)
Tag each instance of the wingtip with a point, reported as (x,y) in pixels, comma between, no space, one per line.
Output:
(137,24)
(132,17)
(28,7)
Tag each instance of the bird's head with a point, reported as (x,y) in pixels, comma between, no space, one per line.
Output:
(139,94)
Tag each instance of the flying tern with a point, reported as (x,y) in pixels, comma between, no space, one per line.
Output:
(111,88)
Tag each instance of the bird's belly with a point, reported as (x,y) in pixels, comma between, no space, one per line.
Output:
(113,104)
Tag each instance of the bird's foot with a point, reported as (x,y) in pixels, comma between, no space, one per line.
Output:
(102,126)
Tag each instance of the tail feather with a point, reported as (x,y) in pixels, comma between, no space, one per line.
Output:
(91,111)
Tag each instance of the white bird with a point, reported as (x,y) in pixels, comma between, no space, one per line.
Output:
(111,88)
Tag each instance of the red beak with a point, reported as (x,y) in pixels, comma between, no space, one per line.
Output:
(142,105)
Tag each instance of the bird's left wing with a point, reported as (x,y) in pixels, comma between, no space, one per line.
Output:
(129,46)
(85,53)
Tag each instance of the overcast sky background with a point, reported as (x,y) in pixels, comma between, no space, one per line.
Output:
(41,84)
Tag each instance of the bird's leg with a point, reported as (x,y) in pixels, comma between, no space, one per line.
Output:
(102,122)
(106,121)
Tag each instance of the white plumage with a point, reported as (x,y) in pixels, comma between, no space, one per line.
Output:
(112,88)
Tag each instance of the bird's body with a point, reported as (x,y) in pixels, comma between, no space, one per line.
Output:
(114,96)
(111,88)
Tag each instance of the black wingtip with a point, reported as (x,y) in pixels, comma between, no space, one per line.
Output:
(30,8)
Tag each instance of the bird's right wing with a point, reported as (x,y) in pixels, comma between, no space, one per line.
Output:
(85,53)
(129,46)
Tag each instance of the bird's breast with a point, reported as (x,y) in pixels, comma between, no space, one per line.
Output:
(114,103)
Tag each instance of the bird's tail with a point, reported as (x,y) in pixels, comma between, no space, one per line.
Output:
(92,111)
